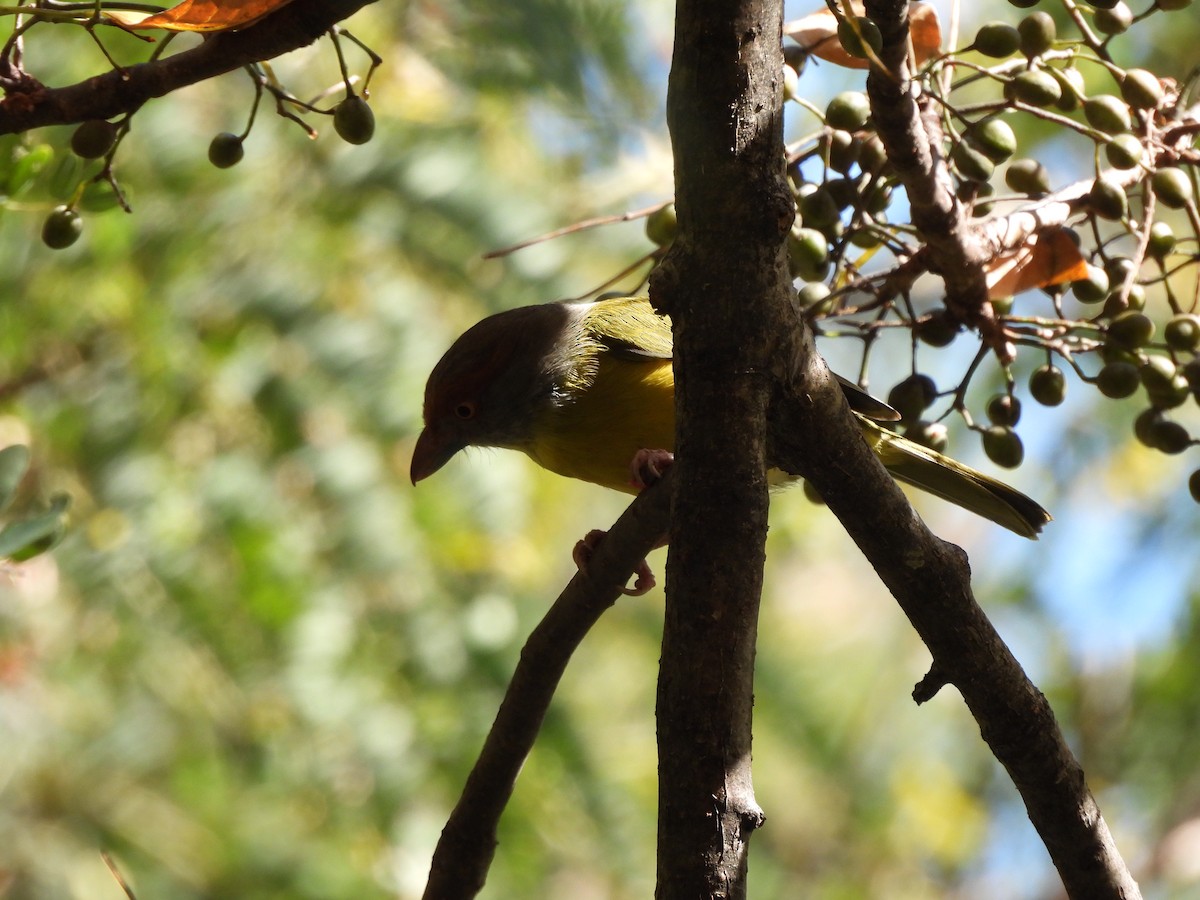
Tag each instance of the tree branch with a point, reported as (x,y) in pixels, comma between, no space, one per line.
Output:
(30,104)
(468,842)
(814,435)
(913,141)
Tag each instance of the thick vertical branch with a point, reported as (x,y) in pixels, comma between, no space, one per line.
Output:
(723,284)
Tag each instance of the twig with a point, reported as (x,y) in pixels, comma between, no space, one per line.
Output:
(578,226)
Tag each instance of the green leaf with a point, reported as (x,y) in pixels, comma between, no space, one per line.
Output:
(14,461)
(27,538)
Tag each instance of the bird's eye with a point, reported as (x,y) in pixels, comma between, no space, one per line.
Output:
(465,410)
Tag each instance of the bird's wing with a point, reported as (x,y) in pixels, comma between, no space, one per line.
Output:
(629,328)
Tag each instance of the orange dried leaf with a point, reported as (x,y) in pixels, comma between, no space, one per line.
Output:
(817,33)
(205,15)
(926,32)
(1045,259)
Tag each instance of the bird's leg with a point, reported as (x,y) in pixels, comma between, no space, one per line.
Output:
(647,466)
(582,554)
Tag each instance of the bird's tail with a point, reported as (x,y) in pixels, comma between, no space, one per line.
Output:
(961,485)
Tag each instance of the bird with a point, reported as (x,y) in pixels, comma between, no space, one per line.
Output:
(585,388)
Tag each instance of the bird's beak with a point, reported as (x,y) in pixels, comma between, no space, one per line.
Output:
(433,451)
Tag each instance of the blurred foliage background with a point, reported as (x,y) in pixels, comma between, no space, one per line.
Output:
(261,663)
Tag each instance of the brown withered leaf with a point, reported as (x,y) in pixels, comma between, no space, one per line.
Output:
(200,15)
(1046,258)
(817,33)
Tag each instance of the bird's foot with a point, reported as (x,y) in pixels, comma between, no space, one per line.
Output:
(582,554)
(648,466)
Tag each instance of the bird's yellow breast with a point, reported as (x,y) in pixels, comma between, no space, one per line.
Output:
(628,405)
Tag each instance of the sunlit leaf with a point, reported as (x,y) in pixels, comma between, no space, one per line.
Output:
(1045,259)
(14,461)
(201,15)
(817,33)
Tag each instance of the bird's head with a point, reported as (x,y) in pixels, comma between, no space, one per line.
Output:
(489,387)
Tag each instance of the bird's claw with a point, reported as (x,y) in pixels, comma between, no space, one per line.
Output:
(582,555)
(648,466)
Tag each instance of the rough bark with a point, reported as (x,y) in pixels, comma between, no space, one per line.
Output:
(723,283)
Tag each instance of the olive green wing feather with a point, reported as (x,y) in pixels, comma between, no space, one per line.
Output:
(629,328)
(951,480)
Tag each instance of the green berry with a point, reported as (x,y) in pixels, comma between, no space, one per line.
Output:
(818,209)
(853,34)
(1124,151)
(662,225)
(848,111)
(1183,333)
(1191,374)
(939,329)
(814,297)
(970,163)
(1141,89)
(61,228)
(1048,385)
(1107,113)
(1118,380)
(1119,269)
(1130,330)
(998,40)
(1162,240)
(1004,409)
(1115,20)
(842,150)
(1037,33)
(1158,374)
(354,120)
(1071,82)
(226,150)
(791,83)
(93,138)
(1108,200)
(993,138)
(872,155)
(1028,176)
(808,253)
(1172,186)
(1169,437)
(912,396)
(1003,446)
(1037,87)
(1092,289)
(1143,426)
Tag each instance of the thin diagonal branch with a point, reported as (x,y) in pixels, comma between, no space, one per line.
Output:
(468,842)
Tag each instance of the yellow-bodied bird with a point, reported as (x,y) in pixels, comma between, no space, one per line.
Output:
(583,387)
